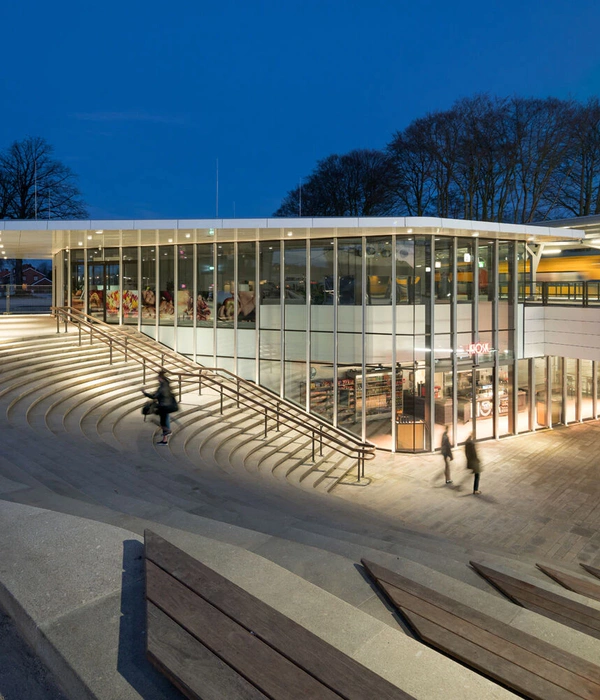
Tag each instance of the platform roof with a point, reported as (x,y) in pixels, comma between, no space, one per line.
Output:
(41,239)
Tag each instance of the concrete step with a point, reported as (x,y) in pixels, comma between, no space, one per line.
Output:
(99,572)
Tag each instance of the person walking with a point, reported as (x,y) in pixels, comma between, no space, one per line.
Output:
(447,455)
(167,404)
(473,462)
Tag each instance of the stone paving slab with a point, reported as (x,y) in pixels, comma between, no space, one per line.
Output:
(541,494)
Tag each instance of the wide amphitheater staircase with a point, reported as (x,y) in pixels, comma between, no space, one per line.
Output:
(81,478)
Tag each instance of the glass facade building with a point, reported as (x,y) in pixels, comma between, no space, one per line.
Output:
(390,332)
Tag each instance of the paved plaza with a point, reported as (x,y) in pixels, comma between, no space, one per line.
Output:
(540,494)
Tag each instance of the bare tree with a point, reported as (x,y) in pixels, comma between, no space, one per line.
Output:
(354,184)
(34,185)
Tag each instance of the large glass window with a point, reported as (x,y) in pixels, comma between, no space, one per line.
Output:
(185,285)
(225,286)
(270,275)
(131,295)
(486,273)
(295,319)
(321,339)
(166,275)
(571,370)
(465,260)
(523,397)
(205,297)
(148,285)
(246,285)
(587,389)
(443,270)
(77,279)
(350,271)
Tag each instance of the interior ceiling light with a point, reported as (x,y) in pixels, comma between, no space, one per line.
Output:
(409,230)
(187,235)
(290,233)
(551,251)
(170,240)
(100,231)
(475,234)
(89,238)
(80,243)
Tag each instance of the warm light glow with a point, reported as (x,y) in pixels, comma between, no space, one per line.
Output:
(409,230)
(99,231)
(551,251)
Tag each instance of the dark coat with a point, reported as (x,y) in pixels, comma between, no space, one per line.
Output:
(446,447)
(163,395)
(472,458)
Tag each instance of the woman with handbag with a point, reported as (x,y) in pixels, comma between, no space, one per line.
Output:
(167,404)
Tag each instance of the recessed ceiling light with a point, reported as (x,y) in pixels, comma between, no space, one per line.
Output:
(80,243)
(187,235)
(409,230)
(100,231)
(475,234)
(170,240)
(290,233)
(89,238)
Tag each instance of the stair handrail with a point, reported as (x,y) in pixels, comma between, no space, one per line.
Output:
(284,412)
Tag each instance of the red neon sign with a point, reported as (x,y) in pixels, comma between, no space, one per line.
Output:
(478,348)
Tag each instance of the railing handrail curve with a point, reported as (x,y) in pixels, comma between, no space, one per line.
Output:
(260,400)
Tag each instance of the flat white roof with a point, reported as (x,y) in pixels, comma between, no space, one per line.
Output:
(42,238)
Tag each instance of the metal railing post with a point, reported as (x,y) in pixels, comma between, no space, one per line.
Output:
(110,349)
(265,423)
(180,388)
(58,324)
(144,370)
(238,393)
(221,399)
(278,405)
(199,382)
(125,349)
(79,327)
(162,359)
(320,443)
(313,445)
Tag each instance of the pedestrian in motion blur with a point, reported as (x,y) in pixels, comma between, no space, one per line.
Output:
(447,455)
(167,404)
(473,462)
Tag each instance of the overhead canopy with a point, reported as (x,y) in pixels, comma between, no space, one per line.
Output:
(41,239)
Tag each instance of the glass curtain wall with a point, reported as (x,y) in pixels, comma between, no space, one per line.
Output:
(270,315)
(486,376)
(166,276)
(204,307)
(379,385)
(349,341)
(443,385)
(131,295)
(321,397)
(185,285)
(77,280)
(246,318)
(148,287)
(465,380)
(295,321)
(226,305)
(587,389)
(413,343)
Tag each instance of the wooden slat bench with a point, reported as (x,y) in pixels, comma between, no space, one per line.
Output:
(216,641)
(517,660)
(591,569)
(568,612)
(573,583)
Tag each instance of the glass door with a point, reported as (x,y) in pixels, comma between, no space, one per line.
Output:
(96,290)
(112,304)
(103,291)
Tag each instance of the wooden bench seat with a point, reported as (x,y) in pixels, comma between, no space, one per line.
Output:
(517,660)
(590,589)
(215,641)
(568,612)
(591,570)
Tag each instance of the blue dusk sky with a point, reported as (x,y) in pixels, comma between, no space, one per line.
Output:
(140,99)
